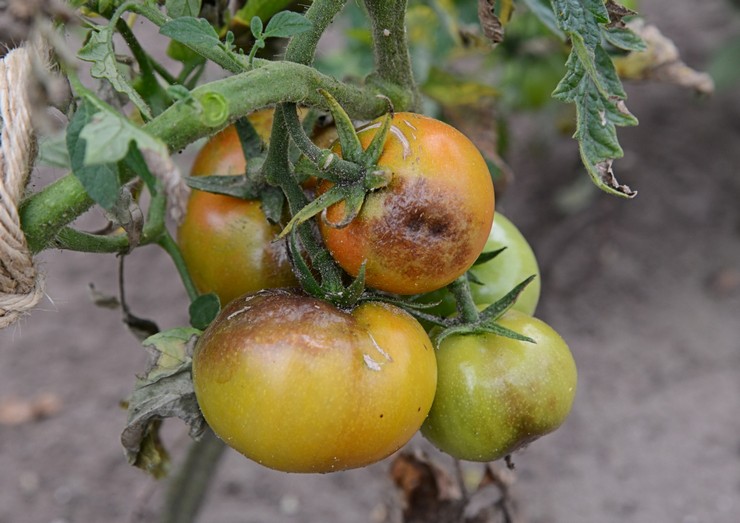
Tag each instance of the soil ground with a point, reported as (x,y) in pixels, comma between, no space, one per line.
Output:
(647,293)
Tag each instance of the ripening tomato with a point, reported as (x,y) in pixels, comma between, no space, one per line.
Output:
(496,394)
(429,225)
(228,245)
(496,277)
(298,385)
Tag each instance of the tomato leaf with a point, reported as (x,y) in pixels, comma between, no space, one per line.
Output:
(203,310)
(592,84)
(99,50)
(53,151)
(100,181)
(285,24)
(542,9)
(624,38)
(109,134)
(178,8)
(263,9)
(199,35)
(165,390)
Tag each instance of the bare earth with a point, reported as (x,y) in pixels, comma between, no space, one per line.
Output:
(646,292)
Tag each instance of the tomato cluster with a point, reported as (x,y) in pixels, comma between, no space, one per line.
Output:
(298,384)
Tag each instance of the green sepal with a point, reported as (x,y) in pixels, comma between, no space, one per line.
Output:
(348,139)
(252,144)
(238,186)
(375,149)
(349,296)
(273,201)
(330,197)
(355,198)
(488,256)
(495,310)
(302,271)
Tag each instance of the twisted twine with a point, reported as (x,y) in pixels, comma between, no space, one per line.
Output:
(21,285)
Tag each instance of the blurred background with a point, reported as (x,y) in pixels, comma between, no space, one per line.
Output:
(646,292)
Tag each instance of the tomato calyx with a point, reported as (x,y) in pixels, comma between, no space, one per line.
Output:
(330,288)
(352,175)
(468,320)
(251,185)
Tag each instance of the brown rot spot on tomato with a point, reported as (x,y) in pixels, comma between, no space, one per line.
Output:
(419,226)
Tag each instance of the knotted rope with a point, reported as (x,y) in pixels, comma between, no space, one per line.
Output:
(21,285)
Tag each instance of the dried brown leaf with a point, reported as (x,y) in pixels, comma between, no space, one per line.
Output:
(617,12)
(661,62)
(492,27)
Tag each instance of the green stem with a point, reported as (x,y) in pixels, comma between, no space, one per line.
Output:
(302,47)
(301,50)
(188,488)
(243,93)
(170,246)
(392,60)
(46,212)
(466,307)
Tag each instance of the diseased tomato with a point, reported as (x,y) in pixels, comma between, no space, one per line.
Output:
(495,394)
(298,385)
(228,245)
(501,274)
(430,223)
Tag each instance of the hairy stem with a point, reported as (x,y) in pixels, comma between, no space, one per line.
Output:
(188,488)
(466,307)
(392,59)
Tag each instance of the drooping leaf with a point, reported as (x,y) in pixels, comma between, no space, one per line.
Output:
(108,136)
(99,50)
(101,181)
(592,84)
(165,390)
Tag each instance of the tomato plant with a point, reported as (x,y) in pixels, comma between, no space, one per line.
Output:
(495,394)
(429,225)
(405,206)
(228,245)
(298,385)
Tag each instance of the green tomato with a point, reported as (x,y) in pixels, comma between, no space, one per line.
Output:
(495,394)
(501,274)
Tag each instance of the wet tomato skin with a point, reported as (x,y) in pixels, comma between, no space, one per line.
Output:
(429,225)
(227,243)
(300,386)
(495,394)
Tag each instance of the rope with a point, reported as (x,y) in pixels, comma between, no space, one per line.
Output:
(21,285)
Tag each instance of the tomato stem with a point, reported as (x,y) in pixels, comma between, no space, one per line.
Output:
(392,59)
(188,488)
(466,308)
